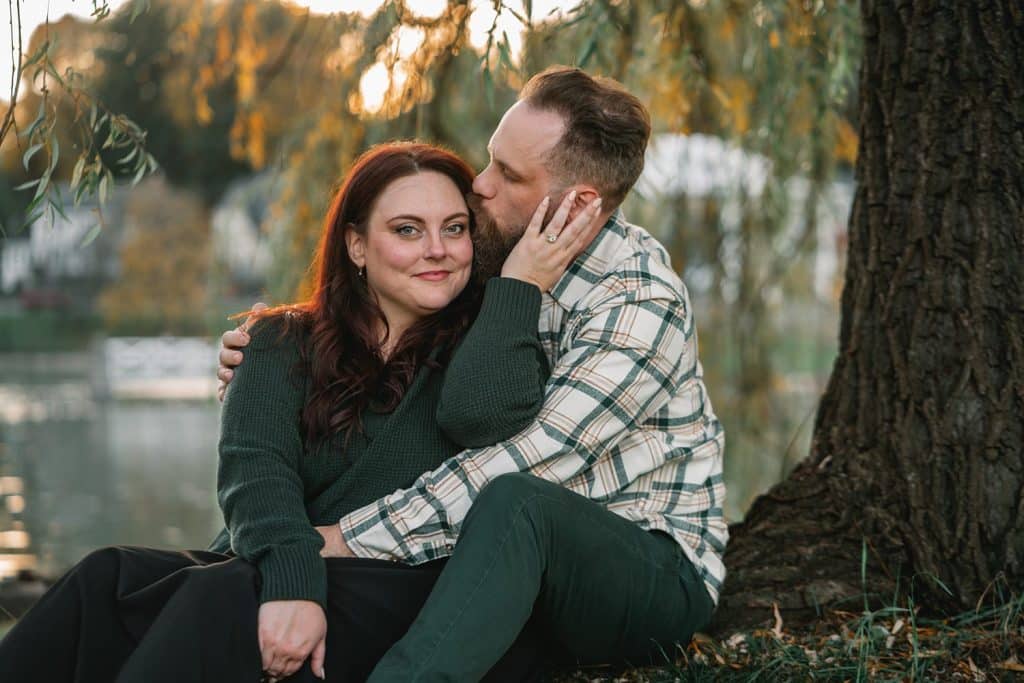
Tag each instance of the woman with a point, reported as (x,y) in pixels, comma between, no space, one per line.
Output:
(342,399)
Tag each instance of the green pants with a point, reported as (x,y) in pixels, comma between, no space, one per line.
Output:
(605,590)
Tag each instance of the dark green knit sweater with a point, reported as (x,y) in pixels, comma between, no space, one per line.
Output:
(273,490)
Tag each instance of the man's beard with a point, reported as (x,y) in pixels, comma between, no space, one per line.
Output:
(491,244)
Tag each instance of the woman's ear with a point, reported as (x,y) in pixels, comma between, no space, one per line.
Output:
(356,244)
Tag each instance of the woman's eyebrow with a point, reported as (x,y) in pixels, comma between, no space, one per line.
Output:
(418,219)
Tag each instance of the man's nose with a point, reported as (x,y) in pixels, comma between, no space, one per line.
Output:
(482,184)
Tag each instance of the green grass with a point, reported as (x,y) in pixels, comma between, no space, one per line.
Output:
(894,643)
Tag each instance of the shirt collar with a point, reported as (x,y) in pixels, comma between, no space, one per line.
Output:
(590,266)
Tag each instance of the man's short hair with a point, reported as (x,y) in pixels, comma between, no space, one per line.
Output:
(606,129)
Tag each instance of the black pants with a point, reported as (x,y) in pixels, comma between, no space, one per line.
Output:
(139,615)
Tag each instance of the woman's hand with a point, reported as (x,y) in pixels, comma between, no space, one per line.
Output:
(542,256)
(290,631)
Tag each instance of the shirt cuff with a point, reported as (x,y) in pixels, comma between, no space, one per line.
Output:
(367,536)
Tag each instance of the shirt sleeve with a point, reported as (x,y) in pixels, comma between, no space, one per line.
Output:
(259,487)
(627,356)
(494,384)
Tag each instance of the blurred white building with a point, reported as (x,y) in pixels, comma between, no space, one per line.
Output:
(50,251)
(241,229)
(702,167)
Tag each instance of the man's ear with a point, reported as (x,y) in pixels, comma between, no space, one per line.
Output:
(584,195)
(356,244)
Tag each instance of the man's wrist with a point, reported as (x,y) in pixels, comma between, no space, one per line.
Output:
(342,548)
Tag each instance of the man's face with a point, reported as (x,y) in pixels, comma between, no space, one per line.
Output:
(507,192)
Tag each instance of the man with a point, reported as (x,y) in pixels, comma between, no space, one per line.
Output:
(603,519)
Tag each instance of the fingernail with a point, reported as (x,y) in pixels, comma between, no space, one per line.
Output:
(597,203)
(572,195)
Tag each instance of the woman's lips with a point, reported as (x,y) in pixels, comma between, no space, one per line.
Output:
(433,275)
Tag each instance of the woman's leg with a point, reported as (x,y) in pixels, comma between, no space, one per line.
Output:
(371,605)
(198,624)
(76,633)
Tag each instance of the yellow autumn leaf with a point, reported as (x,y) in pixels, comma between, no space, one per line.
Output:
(847,141)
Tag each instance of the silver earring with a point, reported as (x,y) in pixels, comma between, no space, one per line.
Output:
(362,272)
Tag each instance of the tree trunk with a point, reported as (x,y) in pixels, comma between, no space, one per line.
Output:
(915,479)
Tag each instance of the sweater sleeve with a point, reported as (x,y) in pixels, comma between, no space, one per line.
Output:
(494,384)
(259,486)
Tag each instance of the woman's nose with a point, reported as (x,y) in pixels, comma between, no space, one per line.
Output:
(434,247)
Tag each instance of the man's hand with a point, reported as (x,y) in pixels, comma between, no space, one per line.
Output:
(230,356)
(334,542)
(290,631)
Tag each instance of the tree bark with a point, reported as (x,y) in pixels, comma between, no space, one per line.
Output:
(915,480)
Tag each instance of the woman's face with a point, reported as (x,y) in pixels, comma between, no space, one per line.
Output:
(417,251)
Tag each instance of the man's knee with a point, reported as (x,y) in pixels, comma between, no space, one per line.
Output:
(509,489)
(510,494)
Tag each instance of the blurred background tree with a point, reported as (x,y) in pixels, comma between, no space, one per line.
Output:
(164,263)
(254,108)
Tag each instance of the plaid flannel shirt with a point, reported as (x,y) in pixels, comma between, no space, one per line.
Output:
(626,419)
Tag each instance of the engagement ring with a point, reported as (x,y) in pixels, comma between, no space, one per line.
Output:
(551,238)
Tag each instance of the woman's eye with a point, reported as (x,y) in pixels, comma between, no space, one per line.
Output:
(406,229)
(455,229)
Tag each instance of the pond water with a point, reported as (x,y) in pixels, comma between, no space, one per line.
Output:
(78,472)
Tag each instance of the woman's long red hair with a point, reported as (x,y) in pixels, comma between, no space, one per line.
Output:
(343,352)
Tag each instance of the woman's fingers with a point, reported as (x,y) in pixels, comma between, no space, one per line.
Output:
(317,659)
(554,226)
(290,666)
(283,666)
(533,227)
(577,231)
(266,654)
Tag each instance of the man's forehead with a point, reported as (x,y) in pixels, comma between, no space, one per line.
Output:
(526,134)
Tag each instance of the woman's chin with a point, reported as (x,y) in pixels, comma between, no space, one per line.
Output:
(432,302)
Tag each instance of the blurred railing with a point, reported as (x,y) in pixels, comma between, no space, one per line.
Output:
(157,368)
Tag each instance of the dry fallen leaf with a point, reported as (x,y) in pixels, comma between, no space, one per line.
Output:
(777,629)
(735,640)
(1010,664)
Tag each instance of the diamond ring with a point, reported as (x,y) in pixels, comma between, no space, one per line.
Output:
(551,238)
